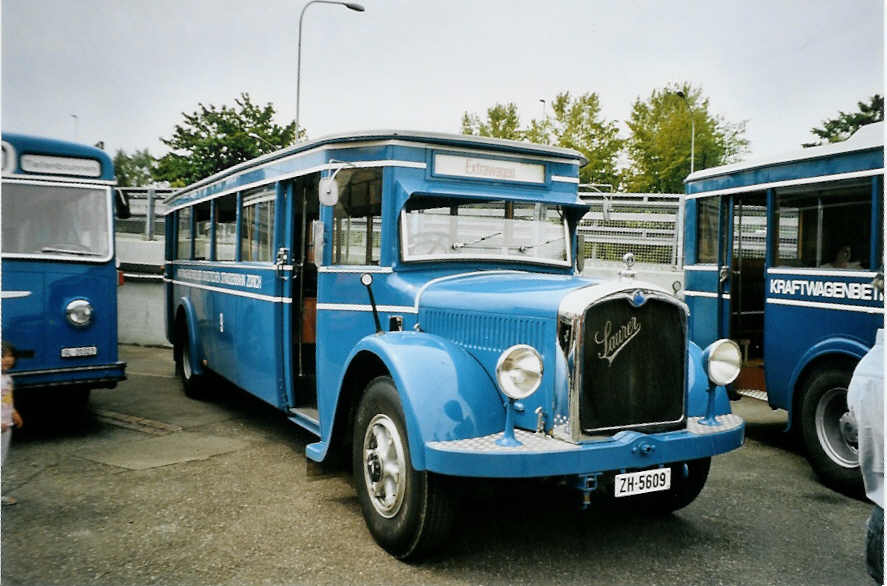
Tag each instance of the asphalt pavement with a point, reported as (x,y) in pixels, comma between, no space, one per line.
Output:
(150,487)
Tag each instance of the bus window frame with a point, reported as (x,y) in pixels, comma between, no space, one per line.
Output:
(253,197)
(109,201)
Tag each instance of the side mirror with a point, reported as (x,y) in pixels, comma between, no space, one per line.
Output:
(317,241)
(121,205)
(328,191)
(580,252)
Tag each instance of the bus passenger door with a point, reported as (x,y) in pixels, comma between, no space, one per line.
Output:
(745,285)
(707,272)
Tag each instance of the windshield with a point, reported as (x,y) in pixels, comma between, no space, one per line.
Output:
(55,220)
(449,228)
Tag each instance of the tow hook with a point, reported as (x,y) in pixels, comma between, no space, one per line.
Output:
(643,449)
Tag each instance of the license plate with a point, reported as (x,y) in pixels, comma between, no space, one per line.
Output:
(632,483)
(79,352)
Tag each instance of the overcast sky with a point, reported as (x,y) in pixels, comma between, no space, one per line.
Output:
(128,68)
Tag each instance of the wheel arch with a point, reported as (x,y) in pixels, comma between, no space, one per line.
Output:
(843,353)
(185,317)
(462,401)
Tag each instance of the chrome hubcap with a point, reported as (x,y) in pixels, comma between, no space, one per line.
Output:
(384,466)
(186,360)
(836,437)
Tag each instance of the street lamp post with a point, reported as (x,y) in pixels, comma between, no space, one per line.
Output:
(351,6)
(683,96)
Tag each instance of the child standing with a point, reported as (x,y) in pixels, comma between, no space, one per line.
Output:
(9,417)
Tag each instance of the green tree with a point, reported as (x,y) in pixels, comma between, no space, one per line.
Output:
(135,170)
(660,141)
(574,123)
(212,139)
(846,123)
(502,122)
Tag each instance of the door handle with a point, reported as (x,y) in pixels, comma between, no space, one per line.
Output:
(723,272)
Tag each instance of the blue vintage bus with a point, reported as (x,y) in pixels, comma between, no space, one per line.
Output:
(59,283)
(414,301)
(784,256)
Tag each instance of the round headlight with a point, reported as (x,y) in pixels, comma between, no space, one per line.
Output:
(79,312)
(722,361)
(519,371)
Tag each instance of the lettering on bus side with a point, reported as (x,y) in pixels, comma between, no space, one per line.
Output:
(825,289)
(222,278)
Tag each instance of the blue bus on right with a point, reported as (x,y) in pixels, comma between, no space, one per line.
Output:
(785,256)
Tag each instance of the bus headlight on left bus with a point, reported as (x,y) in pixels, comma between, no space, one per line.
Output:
(79,313)
(519,371)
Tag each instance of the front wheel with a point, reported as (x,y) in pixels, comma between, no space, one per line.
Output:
(828,434)
(407,511)
(687,481)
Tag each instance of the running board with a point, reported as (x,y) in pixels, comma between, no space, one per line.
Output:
(307,418)
(754,394)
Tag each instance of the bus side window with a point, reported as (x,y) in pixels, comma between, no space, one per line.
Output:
(183,242)
(202,225)
(357,222)
(826,226)
(707,218)
(226,227)
(257,225)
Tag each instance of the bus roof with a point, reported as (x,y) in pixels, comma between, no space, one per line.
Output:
(868,137)
(42,167)
(863,151)
(374,136)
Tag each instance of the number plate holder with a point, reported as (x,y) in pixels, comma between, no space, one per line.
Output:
(632,483)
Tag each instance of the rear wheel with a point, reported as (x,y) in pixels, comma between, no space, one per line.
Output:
(408,512)
(828,434)
(193,383)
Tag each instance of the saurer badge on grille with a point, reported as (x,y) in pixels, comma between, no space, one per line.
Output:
(613,341)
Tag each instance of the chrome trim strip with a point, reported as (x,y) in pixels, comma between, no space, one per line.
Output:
(41,179)
(14,294)
(258,296)
(820,305)
(701,267)
(775,184)
(823,272)
(356,307)
(706,294)
(69,369)
(354,269)
(562,179)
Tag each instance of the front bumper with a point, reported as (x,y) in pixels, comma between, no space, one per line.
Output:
(97,376)
(541,455)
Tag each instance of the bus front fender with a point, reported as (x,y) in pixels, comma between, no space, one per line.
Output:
(445,393)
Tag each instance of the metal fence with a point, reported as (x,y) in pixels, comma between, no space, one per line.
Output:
(649,225)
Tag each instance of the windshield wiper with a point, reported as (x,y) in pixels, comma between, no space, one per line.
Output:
(68,251)
(457,245)
(527,247)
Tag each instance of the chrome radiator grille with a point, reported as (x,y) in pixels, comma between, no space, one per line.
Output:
(633,364)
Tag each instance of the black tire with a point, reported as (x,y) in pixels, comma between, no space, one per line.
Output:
(193,384)
(830,445)
(687,481)
(408,512)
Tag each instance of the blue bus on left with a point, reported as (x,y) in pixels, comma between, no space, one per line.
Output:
(59,274)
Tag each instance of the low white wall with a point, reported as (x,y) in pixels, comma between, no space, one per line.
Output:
(141,305)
